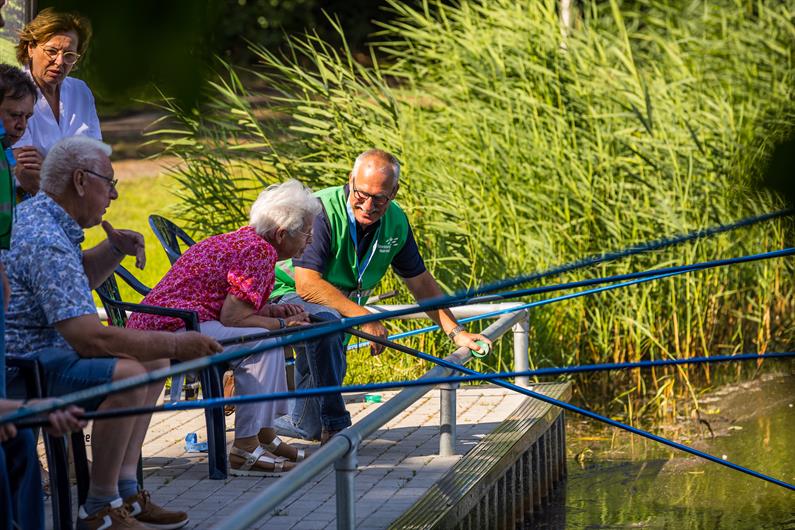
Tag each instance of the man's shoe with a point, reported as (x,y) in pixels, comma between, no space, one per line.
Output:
(151,515)
(284,425)
(115,516)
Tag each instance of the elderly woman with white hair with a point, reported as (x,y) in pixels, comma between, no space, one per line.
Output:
(227,279)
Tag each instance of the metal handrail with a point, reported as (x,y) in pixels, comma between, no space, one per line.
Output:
(341,450)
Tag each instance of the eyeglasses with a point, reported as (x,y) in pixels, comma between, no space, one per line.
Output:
(378,200)
(69,58)
(109,180)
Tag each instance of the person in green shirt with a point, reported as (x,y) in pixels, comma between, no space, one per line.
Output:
(360,234)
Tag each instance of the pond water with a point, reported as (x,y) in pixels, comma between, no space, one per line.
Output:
(634,484)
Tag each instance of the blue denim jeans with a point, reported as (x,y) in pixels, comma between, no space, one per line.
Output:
(318,363)
(21,496)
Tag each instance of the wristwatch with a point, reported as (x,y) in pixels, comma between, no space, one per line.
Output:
(455,331)
(282,323)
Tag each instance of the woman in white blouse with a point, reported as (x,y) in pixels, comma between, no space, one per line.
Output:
(49,46)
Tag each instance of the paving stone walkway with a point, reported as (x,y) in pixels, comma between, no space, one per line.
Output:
(396,465)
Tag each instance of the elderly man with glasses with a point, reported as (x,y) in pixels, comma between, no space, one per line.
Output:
(358,236)
(53,318)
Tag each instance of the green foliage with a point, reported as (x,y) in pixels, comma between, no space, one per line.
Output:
(139,198)
(522,150)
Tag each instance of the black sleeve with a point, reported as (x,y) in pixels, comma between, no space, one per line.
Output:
(316,253)
(408,263)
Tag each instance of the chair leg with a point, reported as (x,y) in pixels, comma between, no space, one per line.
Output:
(58,461)
(212,387)
(176,387)
(139,473)
(81,466)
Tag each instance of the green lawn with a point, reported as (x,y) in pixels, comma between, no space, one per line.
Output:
(138,198)
(8,52)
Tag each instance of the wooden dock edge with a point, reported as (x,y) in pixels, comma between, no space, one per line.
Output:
(506,477)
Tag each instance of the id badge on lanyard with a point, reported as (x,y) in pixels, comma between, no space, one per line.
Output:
(360,267)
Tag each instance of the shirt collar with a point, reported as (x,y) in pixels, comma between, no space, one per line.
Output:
(70,227)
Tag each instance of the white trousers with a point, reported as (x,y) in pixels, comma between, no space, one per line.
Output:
(261,373)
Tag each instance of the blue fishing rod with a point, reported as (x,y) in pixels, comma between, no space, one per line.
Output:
(573,408)
(302,335)
(473,375)
(208,403)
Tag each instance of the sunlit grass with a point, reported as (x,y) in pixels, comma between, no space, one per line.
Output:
(138,198)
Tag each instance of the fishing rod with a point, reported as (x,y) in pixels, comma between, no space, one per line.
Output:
(209,403)
(573,408)
(301,334)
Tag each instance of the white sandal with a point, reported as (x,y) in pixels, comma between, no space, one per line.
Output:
(245,469)
(276,442)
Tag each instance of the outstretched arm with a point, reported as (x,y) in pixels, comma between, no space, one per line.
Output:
(424,286)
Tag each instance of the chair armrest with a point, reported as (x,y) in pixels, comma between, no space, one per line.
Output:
(190,318)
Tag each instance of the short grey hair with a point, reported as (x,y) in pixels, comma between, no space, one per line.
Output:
(285,206)
(382,156)
(69,154)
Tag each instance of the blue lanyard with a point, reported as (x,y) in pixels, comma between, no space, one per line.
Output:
(360,267)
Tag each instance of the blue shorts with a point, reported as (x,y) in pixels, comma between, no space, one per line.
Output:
(67,372)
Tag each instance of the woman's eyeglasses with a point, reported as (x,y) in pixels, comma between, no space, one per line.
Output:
(69,58)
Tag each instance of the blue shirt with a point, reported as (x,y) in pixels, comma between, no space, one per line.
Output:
(407,263)
(45,270)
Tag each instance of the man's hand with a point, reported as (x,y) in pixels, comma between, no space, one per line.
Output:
(28,168)
(377,329)
(128,242)
(7,431)
(280,310)
(467,339)
(64,421)
(192,345)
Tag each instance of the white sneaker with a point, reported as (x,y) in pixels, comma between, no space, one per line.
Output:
(284,425)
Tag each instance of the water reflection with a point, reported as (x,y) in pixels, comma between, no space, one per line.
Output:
(654,488)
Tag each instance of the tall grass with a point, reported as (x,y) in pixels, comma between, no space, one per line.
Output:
(521,150)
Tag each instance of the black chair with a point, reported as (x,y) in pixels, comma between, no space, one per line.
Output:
(211,379)
(170,236)
(29,372)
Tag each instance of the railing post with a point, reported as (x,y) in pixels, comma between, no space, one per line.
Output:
(447,419)
(345,468)
(521,348)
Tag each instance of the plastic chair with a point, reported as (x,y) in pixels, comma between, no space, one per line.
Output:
(170,236)
(29,370)
(210,378)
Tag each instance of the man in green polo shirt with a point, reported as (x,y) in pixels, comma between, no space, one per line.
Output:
(360,234)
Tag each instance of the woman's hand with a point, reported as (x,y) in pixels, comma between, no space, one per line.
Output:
(28,168)
(29,158)
(299,319)
(280,310)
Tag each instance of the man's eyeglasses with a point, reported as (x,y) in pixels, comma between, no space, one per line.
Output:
(69,58)
(379,200)
(109,180)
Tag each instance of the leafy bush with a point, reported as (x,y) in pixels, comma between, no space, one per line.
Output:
(522,149)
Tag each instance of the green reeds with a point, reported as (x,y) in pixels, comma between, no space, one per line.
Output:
(521,150)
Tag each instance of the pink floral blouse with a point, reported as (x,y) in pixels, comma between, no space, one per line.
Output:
(239,263)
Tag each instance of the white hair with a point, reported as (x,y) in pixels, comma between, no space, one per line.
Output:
(69,154)
(386,158)
(286,206)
